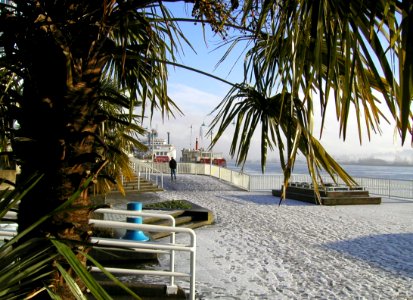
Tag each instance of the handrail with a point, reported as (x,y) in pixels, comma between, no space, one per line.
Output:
(147,174)
(136,213)
(9,228)
(153,247)
(148,247)
(7,233)
(392,188)
(11,215)
(146,214)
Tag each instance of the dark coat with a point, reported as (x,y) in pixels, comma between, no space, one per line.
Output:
(172,163)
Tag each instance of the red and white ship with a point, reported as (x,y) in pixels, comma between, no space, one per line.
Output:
(202,156)
(159,150)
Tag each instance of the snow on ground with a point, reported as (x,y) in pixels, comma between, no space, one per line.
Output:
(259,250)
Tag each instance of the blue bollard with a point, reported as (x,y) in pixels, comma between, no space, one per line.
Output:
(136,235)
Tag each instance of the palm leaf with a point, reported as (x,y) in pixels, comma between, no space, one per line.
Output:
(347,49)
(111,277)
(66,252)
(406,64)
(334,45)
(74,288)
(279,115)
(23,267)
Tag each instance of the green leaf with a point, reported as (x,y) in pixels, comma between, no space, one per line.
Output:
(111,277)
(74,288)
(98,292)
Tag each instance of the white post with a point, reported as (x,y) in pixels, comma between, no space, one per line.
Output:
(389,183)
(210,162)
(192,272)
(139,176)
(153,149)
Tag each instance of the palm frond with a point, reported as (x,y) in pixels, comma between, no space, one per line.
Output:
(139,47)
(283,119)
(343,52)
(80,270)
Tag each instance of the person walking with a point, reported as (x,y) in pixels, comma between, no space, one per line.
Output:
(172,166)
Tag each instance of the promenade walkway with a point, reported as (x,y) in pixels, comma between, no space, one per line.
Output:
(259,250)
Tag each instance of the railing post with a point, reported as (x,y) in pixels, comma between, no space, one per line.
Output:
(389,183)
(192,272)
(139,176)
(161,180)
(411,190)
(172,288)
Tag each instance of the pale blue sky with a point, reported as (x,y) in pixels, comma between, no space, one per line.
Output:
(197,95)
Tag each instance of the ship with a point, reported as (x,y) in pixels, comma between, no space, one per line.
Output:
(159,149)
(202,156)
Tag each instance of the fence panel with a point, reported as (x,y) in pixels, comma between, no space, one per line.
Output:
(226,175)
(388,187)
(241,180)
(265,182)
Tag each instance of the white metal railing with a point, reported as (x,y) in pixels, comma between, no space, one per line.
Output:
(258,182)
(147,171)
(152,247)
(8,230)
(388,187)
(382,187)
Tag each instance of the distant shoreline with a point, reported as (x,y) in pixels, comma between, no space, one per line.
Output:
(378,162)
(360,168)
(363,162)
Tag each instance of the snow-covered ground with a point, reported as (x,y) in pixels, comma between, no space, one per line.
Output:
(259,250)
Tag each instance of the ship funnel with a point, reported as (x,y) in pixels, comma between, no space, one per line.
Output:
(196,144)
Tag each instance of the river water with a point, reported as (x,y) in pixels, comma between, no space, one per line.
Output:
(396,172)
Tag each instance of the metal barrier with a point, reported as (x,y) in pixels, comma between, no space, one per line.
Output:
(258,182)
(147,171)
(8,230)
(150,247)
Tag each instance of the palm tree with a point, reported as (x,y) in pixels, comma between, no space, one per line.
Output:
(334,51)
(60,51)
